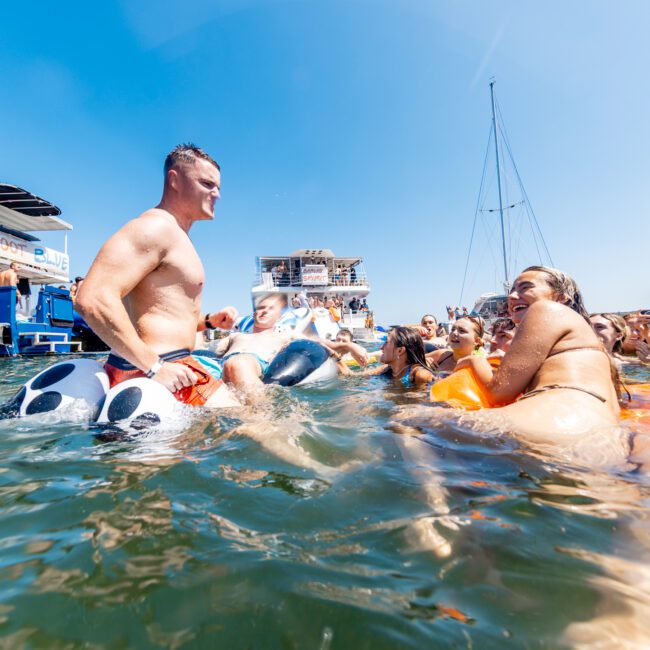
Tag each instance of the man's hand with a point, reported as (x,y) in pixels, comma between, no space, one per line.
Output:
(359,354)
(174,376)
(224,319)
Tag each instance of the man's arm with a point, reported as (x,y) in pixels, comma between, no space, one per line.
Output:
(131,254)
(357,352)
(13,282)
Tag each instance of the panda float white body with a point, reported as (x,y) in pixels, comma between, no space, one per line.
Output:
(60,386)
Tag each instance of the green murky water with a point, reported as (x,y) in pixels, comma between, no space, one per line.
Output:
(199,537)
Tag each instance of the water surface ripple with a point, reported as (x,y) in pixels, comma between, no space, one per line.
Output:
(200,536)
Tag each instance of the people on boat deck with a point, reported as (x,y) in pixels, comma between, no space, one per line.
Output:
(465,338)
(142,294)
(555,384)
(403,359)
(247,356)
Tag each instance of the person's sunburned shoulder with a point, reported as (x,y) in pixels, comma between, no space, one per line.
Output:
(153,230)
(153,223)
(156,218)
(546,308)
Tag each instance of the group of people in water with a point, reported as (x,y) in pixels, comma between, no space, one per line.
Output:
(551,372)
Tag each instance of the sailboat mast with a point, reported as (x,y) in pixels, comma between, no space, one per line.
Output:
(496,150)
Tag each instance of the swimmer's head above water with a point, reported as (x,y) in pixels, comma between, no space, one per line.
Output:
(344,335)
(611,330)
(466,335)
(268,311)
(502,333)
(544,283)
(404,344)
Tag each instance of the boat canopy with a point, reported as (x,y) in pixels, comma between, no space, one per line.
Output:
(20,213)
(23,211)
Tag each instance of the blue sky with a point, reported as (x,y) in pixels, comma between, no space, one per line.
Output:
(355,125)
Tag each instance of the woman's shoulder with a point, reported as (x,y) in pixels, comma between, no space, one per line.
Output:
(421,375)
(553,315)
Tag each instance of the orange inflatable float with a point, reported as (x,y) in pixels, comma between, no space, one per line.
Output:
(637,411)
(460,390)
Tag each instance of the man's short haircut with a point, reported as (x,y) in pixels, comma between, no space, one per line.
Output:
(280,297)
(187,154)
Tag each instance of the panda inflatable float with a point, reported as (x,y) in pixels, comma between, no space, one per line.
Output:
(141,401)
(58,387)
(301,362)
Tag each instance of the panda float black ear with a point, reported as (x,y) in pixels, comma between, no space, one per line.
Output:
(58,387)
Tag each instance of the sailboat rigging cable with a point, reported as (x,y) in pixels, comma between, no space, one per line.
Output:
(522,188)
(511,223)
(476,213)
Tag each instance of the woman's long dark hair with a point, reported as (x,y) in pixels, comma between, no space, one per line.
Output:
(408,338)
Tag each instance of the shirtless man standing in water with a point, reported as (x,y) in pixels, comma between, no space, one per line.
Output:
(142,294)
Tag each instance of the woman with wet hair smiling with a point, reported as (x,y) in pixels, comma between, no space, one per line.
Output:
(555,383)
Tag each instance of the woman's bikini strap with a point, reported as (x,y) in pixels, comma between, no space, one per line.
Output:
(578,349)
(436,364)
(543,389)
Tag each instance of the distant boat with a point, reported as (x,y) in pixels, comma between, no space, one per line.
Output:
(514,213)
(50,327)
(319,273)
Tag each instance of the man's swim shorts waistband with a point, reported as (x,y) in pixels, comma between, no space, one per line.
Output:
(198,394)
(122,364)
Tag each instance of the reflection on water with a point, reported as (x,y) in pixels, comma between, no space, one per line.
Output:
(341,515)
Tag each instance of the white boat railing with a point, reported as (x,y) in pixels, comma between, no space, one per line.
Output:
(294,279)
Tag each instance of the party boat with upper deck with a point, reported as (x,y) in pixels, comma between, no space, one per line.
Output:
(318,273)
(49,328)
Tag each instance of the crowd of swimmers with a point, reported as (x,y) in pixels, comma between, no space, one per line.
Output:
(548,369)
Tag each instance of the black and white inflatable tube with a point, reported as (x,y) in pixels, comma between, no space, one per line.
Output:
(58,387)
(299,363)
(85,381)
